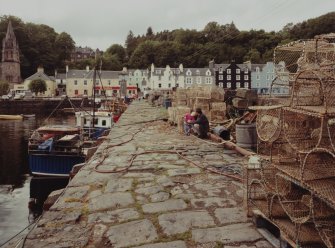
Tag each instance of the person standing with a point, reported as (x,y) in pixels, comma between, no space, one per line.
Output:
(201,124)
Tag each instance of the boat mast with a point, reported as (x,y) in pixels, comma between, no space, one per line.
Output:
(94,79)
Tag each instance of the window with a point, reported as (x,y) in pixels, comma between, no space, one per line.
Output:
(273,77)
(76,92)
(228,77)
(257,69)
(158,71)
(208,80)
(129,91)
(238,77)
(246,77)
(109,82)
(258,77)
(177,85)
(189,80)
(103,123)
(85,82)
(197,72)
(238,85)
(267,84)
(246,85)
(75,82)
(198,80)
(208,73)
(169,85)
(159,85)
(258,85)
(85,92)
(228,71)
(220,70)
(188,73)
(246,70)
(268,77)
(238,71)
(228,85)
(95,120)
(220,77)
(114,91)
(221,85)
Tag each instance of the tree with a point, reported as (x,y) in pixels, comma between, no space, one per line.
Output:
(64,45)
(149,32)
(4,87)
(117,51)
(37,86)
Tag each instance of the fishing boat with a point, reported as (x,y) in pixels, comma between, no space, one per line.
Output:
(11,117)
(54,149)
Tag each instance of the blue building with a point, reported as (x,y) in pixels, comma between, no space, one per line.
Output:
(263,76)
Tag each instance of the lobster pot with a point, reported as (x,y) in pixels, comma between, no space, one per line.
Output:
(172,114)
(217,93)
(221,106)
(296,201)
(258,197)
(318,173)
(268,123)
(217,115)
(180,123)
(331,131)
(204,107)
(305,234)
(307,89)
(324,220)
(268,176)
(181,102)
(329,91)
(275,209)
(304,131)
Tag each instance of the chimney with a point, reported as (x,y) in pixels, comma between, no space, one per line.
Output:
(40,69)
(211,64)
(87,68)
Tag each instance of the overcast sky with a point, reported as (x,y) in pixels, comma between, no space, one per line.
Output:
(101,23)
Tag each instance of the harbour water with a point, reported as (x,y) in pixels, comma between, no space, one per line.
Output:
(14,172)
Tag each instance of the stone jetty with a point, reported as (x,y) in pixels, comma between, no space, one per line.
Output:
(143,189)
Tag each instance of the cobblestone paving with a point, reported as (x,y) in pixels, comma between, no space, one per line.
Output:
(161,201)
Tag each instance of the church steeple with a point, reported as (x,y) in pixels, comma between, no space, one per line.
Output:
(10,63)
(10,47)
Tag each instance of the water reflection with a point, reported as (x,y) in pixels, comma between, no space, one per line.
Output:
(14,171)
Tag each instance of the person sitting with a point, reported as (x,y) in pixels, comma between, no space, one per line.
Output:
(188,119)
(201,124)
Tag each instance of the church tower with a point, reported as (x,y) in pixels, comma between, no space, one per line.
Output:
(10,63)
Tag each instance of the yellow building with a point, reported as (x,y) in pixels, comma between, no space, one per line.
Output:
(50,83)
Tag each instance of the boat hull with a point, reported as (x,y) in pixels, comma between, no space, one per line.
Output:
(11,117)
(53,165)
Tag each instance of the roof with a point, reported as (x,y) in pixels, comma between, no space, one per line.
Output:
(40,75)
(202,71)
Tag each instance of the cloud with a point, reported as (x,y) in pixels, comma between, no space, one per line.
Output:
(101,23)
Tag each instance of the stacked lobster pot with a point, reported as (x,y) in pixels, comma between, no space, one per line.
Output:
(210,99)
(294,185)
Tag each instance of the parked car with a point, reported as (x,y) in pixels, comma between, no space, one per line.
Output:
(18,97)
(6,97)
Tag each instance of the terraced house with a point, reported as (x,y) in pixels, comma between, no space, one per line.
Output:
(166,78)
(138,78)
(232,76)
(265,75)
(199,77)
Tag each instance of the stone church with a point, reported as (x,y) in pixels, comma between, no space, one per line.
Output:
(10,63)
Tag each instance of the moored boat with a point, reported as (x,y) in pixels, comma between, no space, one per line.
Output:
(54,149)
(11,117)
